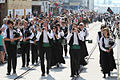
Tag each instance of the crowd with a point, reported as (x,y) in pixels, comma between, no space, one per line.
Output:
(50,35)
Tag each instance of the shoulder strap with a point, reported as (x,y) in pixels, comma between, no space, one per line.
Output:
(8,33)
(99,33)
(103,42)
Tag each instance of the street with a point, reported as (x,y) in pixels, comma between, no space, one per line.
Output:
(90,72)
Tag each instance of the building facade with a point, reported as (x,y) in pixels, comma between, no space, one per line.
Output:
(19,7)
(39,6)
(3,10)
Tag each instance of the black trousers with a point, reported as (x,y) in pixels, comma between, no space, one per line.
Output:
(65,49)
(74,61)
(25,49)
(34,53)
(12,57)
(42,51)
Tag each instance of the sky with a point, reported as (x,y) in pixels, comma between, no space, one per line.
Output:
(102,1)
(114,2)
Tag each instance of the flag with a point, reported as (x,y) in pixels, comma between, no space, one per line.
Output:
(109,10)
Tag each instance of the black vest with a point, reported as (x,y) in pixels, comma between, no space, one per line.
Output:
(41,40)
(26,34)
(8,36)
(99,34)
(72,39)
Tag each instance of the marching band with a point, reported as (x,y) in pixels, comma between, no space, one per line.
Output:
(49,37)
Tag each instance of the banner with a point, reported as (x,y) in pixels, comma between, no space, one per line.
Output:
(27,11)
(2,1)
(19,12)
(10,13)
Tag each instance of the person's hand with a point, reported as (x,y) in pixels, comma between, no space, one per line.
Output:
(5,51)
(41,30)
(12,40)
(24,40)
(107,51)
(110,48)
(34,41)
(3,29)
(72,31)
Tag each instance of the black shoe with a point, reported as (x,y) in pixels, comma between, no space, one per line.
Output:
(43,74)
(58,65)
(77,73)
(72,76)
(65,54)
(8,73)
(47,72)
(23,65)
(109,74)
(27,65)
(104,76)
(14,72)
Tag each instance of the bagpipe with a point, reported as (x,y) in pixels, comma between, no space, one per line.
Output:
(16,34)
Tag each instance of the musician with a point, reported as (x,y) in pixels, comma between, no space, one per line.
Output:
(75,38)
(100,34)
(34,45)
(57,50)
(25,43)
(84,47)
(107,59)
(11,38)
(65,30)
(45,43)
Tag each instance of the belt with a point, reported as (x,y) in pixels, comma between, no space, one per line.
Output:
(46,45)
(75,47)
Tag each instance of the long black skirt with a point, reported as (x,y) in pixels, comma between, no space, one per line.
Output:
(84,49)
(57,56)
(107,62)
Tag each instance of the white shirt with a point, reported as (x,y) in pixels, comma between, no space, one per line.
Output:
(30,37)
(5,27)
(45,36)
(38,35)
(80,36)
(86,32)
(98,37)
(11,34)
(106,42)
(53,35)
(75,42)
(60,34)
